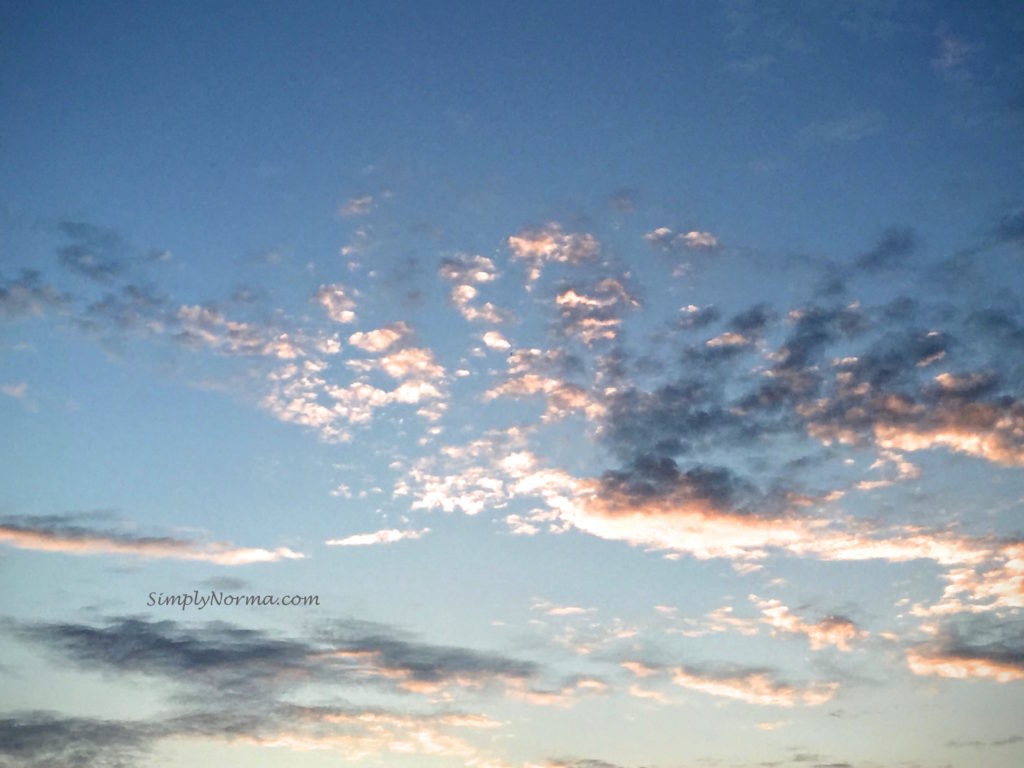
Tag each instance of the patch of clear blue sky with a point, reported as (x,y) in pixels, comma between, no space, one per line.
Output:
(194,126)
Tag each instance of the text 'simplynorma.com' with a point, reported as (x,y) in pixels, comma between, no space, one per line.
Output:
(215,598)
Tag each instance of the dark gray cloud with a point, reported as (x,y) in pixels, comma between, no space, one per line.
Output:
(424,662)
(584,763)
(28,295)
(623,201)
(50,740)
(227,658)
(650,476)
(131,308)
(46,740)
(694,318)
(1010,228)
(978,744)
(231,682)
(214,654)
(982,639)
(672,420)
(91,251)
(893,249)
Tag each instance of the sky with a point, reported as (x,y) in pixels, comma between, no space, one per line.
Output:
(524,385)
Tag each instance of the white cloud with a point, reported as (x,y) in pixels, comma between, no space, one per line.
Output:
(387,536)
(335,300)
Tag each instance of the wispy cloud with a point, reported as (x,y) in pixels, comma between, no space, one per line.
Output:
(848,128)
(91,251)
(64,535)
(27,295)
(357,206)
(386,536)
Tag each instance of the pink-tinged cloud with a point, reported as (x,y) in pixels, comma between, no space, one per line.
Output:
(986,431)
(595,314)
(387,536)
(550,243)
(465,273)
(754,687)
(337,302)
(963,667)
(17,391)
(528,376)
(833,630)
(563,697)
(996,584)
(80,541)
(294,399)
(719,620)
(685,520)
(412,361)
(494,340)
(356,735)
(380,339)
(728,339)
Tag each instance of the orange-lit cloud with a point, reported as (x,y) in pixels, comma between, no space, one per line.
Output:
(754,687)
(833,630)
(79,541)
(550,243)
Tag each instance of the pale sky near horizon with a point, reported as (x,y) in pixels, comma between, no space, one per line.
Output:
(634,387)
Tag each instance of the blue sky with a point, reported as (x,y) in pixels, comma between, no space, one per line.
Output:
(632,386)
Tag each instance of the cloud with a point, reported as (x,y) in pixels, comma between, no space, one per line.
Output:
(550,244)
(224,660)
(466,273)
(892,250)
(663,238)
(380,339)
(302,394)
(208,327)
(46,740)
(849,128)
(837,631)
(91,251)
(980,648)
(536,372)
(62,534)
(585,763)
(27,295)
(594,313)
(996,584)
(388,536)
(357,206)
(753,686)
(17,391)
(334,298)
(1010,229)
(953,54)
(692,317)
(411,361)
(494,340)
